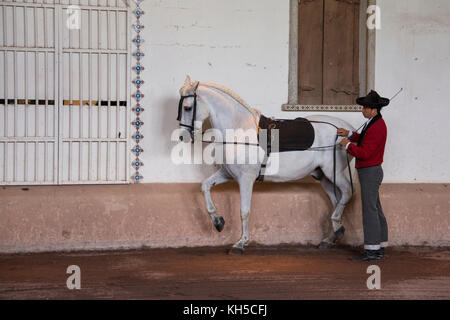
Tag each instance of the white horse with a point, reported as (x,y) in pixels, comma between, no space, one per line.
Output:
(226,110)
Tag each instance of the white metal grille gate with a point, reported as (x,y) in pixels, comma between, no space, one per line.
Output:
(64,94)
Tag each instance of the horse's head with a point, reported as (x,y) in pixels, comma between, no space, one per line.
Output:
(190,114)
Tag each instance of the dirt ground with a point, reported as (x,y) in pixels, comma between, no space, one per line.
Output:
(274,272)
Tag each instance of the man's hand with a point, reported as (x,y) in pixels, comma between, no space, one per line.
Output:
(344,142)
(342,132)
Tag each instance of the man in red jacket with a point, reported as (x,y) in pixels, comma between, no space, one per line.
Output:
(369,151)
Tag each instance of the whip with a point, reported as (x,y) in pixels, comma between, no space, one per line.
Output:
(401,89)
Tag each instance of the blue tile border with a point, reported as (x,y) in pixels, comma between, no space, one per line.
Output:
(137,95)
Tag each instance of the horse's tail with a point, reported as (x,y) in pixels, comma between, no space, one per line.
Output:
(351,171)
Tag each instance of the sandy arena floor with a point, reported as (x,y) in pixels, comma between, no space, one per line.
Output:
(275,272)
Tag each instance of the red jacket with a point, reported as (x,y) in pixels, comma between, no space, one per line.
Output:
(371,151)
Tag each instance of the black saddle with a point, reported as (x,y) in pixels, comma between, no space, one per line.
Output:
(294,135)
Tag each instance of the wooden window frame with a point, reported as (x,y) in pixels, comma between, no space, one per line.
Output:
(366,62)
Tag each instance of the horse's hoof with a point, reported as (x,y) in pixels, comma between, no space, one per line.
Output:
(219,224)
(325,245)
(339,233)
(236,250)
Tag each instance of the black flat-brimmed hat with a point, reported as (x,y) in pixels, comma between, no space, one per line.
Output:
(372,100)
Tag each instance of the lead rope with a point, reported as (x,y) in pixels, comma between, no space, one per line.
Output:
(334,158)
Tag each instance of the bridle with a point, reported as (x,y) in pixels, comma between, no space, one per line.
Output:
(191,127)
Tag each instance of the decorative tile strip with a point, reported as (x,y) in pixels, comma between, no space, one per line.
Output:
(137,95)
(336,108)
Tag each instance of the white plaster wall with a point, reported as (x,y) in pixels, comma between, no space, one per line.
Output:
(413,52)
(244,45)
(240,44)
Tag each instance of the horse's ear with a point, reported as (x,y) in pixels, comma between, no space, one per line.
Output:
(187,82)
(195,84)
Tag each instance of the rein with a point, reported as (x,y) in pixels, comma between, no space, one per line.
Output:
(309,149)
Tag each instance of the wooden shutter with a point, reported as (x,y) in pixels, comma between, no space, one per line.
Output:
(328,55)
(310,51)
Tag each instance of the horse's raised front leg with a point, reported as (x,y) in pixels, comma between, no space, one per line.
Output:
(246,190)
(344,194)
(218,177)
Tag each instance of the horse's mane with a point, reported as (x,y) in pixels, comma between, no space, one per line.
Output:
(256,113)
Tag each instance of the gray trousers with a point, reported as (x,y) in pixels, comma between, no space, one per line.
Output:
(374,222)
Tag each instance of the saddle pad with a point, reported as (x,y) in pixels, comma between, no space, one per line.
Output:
(295,135)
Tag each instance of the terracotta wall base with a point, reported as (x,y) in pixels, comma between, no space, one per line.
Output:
(52,218)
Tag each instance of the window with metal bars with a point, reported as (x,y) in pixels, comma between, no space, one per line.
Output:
(64,93)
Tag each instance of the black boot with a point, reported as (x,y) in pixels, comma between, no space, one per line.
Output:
(381,253)
(369,255)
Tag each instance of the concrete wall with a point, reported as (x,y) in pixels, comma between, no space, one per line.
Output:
(245,45)
(48,218)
